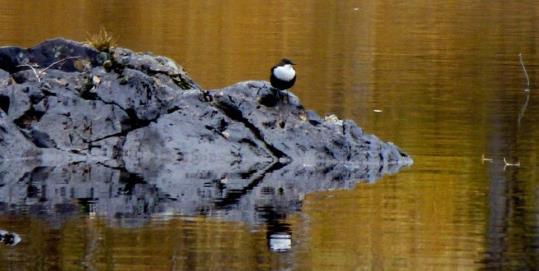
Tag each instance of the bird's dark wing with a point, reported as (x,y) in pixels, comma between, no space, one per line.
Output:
(271,72)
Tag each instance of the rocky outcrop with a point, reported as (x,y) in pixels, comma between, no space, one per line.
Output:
(141,119)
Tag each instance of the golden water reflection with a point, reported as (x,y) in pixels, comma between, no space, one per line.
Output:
(445,75)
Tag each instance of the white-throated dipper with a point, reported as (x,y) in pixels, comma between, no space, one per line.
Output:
(283,75)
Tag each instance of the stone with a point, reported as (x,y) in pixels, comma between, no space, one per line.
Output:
(138,120)
(13,144)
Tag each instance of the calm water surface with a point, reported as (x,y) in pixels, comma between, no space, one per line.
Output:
(446,77)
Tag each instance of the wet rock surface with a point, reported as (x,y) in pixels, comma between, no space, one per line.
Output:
(121,128)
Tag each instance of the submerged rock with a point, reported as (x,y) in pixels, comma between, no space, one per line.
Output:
(9,238)
(143,120)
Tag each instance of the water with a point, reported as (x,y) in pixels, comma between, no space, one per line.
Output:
(446,77)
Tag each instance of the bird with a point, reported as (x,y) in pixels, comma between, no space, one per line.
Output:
(283,75)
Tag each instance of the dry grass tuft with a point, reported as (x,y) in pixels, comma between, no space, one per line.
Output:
(102,41)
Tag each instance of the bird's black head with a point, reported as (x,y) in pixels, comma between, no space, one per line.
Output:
(285,61)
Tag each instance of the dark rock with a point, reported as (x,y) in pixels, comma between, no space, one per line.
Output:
(291,132)
(195,133)
(63,102)
(146,106)
(11,58)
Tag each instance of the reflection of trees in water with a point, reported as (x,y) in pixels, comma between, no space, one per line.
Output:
(512,239)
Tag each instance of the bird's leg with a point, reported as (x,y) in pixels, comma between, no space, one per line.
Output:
(286,99)
(276,93)
(281,95)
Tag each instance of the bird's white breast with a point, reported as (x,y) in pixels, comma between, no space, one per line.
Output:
(285,73)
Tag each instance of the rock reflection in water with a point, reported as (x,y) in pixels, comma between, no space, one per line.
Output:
(262,196)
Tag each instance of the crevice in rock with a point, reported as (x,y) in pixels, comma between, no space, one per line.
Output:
(4,103)
(237,115)
(173,109)
(329,152)
(248,174)
(130,124)
(42,140)
(215,130)
(130,180)
(123,133)
(402,153)
(88,95)
(248,142)
(135,122)
(25,121)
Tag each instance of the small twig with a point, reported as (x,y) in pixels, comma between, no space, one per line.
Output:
(36,73)
(523,109)
(485,159)
(57,62)
(525,73)
(508,164)
(39,72)
(526,90)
